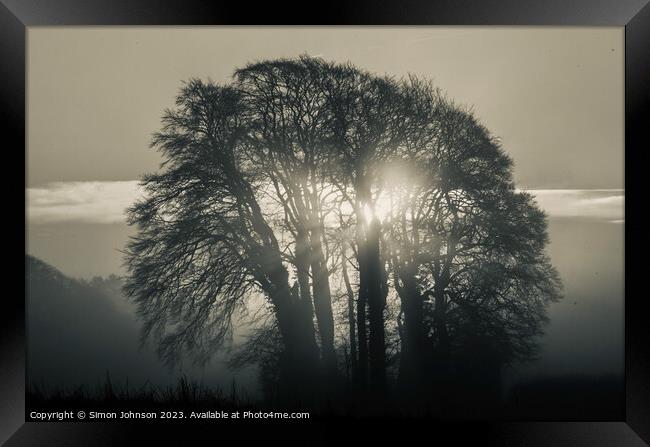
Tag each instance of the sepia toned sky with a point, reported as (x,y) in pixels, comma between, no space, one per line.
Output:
(554,95)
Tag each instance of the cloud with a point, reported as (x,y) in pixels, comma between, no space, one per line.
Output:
(105,202)
(86,202)
(602,204)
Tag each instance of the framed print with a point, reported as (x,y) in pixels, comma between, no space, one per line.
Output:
(395,217)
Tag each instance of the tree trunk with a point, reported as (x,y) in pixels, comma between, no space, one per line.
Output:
(362,377)
(376,306)
(299,363)
(413,355)
(371,293)
(351,321)
(302,260)
(443,342)
(322,300)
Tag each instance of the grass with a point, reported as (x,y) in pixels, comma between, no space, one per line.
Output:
(185,394)
(562,398)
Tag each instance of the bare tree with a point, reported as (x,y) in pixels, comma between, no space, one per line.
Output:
(367,127)
(343,198)
(463,243)
(204,244)
(288,133)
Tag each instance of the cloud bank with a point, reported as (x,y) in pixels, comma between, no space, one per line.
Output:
(601,204)
(106,202)
(85,202)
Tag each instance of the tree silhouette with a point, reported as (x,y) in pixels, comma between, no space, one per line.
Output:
(337,196)
(286,135)
(466,249)
(205,244)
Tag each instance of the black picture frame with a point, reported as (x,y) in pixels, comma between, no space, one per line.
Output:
(634,15)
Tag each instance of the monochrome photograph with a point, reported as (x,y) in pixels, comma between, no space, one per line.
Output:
(314,222)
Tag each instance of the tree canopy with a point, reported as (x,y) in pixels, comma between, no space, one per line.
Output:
(372,222)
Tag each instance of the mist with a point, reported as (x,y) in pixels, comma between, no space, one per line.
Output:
(82,333)
(87,337)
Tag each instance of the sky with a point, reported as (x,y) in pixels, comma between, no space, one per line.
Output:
(554,96)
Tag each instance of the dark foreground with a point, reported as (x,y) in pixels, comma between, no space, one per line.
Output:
(555,399)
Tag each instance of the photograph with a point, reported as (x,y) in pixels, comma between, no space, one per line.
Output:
(325,223)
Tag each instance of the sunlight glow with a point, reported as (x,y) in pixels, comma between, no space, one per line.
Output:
(367,213)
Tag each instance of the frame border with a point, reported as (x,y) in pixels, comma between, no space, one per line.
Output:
(634,15)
